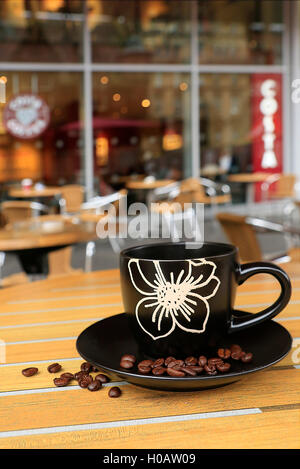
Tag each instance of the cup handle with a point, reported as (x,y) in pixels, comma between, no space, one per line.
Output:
(253,268)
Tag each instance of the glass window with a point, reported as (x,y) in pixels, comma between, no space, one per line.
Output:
(141,125)
(51,153)
(41,31)
(240,32)
(140,31)
(240,123)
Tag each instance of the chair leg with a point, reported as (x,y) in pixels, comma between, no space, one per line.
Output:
(89,254)
(2,260)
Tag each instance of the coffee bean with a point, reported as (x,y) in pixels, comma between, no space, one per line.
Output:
(176,363)
(127,364)
(159,362)
(246,357)
(174,372)
(60,382)
(188,370)
(223,367)
(114,392)
(214,361)
(79,375)
(236,354)
(128,357)
(144,369)
(87,367)
(168,360)
(235,348)
(29,372)
(102,378)
(210,369)
(196,368)
(95,369)
(146,363)
(85,381)
(67,375)
(202,360)
(54,368)
(95,385)
(159,370)
(191,361)
(224,353)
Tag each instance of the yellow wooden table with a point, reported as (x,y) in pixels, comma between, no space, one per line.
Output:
(39,325)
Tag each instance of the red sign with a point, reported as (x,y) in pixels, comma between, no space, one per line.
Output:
(266,124)
(26,116)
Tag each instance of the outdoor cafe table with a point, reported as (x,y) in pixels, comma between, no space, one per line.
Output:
(249,179)
(33,239)
(40,324)
(148,186)
(33,193)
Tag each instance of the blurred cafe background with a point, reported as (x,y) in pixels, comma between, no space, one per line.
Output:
(159,100)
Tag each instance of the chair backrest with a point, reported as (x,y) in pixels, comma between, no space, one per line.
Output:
(73,195)
(285,186)
(241,235)
(191,190)
(16,210)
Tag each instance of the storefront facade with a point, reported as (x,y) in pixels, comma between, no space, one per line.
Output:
(165,88)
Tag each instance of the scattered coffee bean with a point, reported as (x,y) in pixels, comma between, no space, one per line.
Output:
(202,360)
(214,361)
(159,370)
(235,348)
(236,354)
(159,362)
(85,381)
(188,370)
(176,363)
(127,364)
(102,378)
(246,357)
(224,353)
(87,367)
(223,367)
(95,385)
(191,361)
(128,357)
(176,373)
(196,368)
(67,375)
(114,392)
(168,360)
(60,382)
(29,372)
(144,369)
(210,369)
(54,368)
(79,375)
(146,363)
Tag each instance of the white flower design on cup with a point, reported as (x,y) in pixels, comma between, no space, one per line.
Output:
(172,302)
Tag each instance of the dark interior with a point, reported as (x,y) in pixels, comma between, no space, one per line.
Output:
(179,251)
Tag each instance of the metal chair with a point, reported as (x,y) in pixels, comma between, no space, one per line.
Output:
(95,208)
(16,210)
(242,232)
(72,196)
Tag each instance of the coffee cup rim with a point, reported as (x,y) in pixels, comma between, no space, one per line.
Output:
(231,249)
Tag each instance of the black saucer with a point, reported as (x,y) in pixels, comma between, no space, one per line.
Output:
(104,342)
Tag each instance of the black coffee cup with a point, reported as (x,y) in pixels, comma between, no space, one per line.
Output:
(180,298)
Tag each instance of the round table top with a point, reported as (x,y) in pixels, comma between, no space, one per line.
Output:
(248,177)
(149,184)
(45,231)
(19,192)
